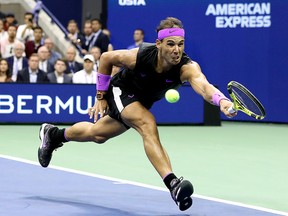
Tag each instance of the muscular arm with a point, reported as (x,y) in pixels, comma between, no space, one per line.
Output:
(118,58)
(192,73)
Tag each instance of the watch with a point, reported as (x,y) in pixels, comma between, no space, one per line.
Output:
(100,95)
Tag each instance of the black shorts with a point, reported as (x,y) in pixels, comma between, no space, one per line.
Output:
(118,99)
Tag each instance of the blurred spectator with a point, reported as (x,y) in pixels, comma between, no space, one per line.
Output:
(87,75)
(7,45)
(10,20)
(88,37)
(53,55)
(25,31)
(72,65)
(3,33)
(138,38)
(59,76)
(100,39)
(33,46)
(44,65)
(32,74)
(96,53)
(5,75)
(108,33)
(73,32)
(17,61)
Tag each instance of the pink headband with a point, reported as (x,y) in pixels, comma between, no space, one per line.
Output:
(168,32)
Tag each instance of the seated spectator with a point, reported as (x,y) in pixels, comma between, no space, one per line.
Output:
(34,45)
(3,33)
(87,75)
(73,32)
(32,74)
(138,38)
(100,39)
(96,53)
(44,65)
(10,20)
(72,65)
(53,55)
(5,75)
(88,37)
(108,33)
(25,31)
(59,76)
(17,62)
(7,45)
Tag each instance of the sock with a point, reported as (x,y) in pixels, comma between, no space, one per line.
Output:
(57,135)
(167,180)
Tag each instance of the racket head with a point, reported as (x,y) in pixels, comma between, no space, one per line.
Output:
(245,101)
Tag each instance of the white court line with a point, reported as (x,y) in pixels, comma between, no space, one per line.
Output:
(121,181)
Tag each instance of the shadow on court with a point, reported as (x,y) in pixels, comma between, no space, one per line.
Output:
(28,189)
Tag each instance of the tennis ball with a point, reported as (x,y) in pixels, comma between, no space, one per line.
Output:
(172,96)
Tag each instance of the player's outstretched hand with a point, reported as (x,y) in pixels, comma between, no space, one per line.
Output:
(224,106)
(100,108)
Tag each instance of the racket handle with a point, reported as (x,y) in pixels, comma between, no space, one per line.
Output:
(231,110)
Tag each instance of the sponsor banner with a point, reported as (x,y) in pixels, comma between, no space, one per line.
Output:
(68,103)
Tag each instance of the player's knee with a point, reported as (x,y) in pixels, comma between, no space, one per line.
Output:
(99,139)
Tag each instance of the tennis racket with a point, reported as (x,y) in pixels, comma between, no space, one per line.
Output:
(244,101)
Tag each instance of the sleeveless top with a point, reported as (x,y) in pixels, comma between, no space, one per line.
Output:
(143,80)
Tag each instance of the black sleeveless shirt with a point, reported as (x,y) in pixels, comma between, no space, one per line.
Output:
(143,80)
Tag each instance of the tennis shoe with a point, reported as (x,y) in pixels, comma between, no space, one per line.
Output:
(181,191)
(46,147)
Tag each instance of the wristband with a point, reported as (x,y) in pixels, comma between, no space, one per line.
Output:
(102,82)
(217,97)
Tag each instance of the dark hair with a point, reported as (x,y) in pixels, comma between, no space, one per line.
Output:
(62,60)
(37,27)
(29,13)
(169,22)
(7,72)
(72,21)
(97,20)
(141,30)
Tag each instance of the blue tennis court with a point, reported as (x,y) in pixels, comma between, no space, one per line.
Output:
(28,189)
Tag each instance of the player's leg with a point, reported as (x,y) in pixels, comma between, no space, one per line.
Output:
(137,116)
(52,137)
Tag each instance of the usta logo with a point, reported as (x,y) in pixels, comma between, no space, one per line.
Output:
(131,2)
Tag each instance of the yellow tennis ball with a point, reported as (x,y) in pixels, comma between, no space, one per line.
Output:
(172,96)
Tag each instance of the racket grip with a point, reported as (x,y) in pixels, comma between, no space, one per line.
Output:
(231,110)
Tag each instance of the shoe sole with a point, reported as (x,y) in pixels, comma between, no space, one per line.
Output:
(184,193)
(41,137)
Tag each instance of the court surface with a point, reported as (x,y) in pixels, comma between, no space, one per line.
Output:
(240,177)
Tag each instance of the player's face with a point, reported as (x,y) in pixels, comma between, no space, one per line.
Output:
(171,49)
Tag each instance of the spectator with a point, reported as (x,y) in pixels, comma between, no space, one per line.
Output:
(44,65)
(5,75)
(100,39)
(25,31)
(72,66)
(87,75)
(10,20)
(17,62)
(7,45)
(59,76)
(96,53)
(88,37)
(3,33)
(53,55)
(33,46)
(108,33)
(138,38)
(32,74)
(73,32)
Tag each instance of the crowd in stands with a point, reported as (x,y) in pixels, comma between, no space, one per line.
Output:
(27,56)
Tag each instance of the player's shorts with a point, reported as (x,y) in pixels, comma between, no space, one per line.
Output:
(118,99)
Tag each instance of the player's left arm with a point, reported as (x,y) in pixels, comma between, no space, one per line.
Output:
(192,73)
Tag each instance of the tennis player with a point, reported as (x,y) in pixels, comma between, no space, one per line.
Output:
(124,100)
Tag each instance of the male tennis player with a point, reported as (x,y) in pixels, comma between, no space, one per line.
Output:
(123,101)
